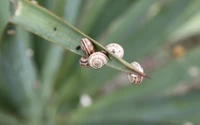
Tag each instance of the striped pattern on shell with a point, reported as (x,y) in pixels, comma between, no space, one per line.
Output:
(87,46)
(97,60)
(116,49)
(84,62)
(133,78)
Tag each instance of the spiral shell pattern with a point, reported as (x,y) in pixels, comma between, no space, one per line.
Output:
(87,46)
(84,62)
(97,60)
(136,79)
(116,49)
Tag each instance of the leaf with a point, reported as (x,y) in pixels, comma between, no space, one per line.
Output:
(91,11)
(19,74)
(8,119)
(187,30)
(4,15)
(54,29)
(177,109)
(126,122)
(6,103)
(144,37)
(110,13)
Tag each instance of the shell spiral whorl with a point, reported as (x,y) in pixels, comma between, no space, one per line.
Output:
(116,49)
(87,46)
(97,60)
(84,62)
(136,79)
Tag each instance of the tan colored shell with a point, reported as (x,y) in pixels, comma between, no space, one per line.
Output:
(97,60)
(116,49)
(87,46)
(84,62)
(133,78)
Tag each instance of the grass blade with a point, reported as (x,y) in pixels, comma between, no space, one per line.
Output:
(20,74)
(4,15)
(172,109)
(91,11)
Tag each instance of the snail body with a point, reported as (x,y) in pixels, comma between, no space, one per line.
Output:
(133,78)
(84,62)
(97,60)
(87,46)
(116,49)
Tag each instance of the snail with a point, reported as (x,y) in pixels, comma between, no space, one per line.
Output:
(116,49)
(97,60)
(136,79)
(84,62)
(87,46)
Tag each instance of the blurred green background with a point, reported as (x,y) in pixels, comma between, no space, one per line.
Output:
(43,84)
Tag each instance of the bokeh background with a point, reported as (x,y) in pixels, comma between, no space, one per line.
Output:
(43,84)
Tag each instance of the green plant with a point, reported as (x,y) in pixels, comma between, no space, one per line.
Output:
(42,83)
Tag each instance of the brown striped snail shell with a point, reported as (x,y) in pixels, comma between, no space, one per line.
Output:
(84,62)
(133,78)
(97,60)
(87,46)
(116,49)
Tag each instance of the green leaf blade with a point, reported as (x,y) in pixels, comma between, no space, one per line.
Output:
(5,15)
(20,74)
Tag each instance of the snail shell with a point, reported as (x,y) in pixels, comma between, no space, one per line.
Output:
(136,79)
(116,49)
(97,60)
(87,46)
(84,62)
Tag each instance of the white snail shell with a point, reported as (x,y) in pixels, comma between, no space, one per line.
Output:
(116,49)
(133,78)
(87,46)
(84,62)
(97,60)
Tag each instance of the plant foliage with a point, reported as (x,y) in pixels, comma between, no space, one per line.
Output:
(41,82)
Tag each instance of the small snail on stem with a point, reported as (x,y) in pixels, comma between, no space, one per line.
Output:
(97,60)
(87,46)
(116,49)
(84,62)
(136,79)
